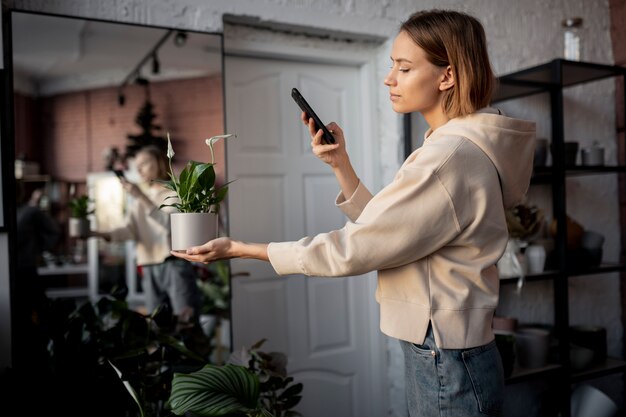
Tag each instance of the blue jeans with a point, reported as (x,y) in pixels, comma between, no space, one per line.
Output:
(453,382)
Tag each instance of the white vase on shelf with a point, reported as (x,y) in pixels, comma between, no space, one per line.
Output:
(511,264)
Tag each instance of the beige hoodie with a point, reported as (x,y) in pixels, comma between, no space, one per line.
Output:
(148,226)
(434,234)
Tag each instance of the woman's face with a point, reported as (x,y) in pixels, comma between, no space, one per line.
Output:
(413,81)
(147,166)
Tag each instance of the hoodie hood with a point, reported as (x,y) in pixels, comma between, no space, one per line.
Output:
(508,142)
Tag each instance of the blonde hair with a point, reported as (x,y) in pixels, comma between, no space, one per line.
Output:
(161,159)
(455,39)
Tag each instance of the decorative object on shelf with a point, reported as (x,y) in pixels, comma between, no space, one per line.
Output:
(541,153)
(78,222)
(536,258)
(590,337)
(571,38)
(580,357)
(588,401)
(574,232)
(591,243)
(533,346)
(510,264)
(199,198)
(524,222)
(592,155)
(508,324)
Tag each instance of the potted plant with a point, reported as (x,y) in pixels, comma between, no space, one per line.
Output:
(198,199)
(78,222)
(253,384)
(93,345)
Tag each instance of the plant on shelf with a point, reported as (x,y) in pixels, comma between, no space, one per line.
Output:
(524,222)
(253,384)
(78,222)
(198,199)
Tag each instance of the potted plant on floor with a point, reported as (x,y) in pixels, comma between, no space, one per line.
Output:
(253,383)
(78,222)
(198,199)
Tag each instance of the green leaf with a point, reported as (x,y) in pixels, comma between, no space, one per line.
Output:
(292,390)
(129,388)
(215,391)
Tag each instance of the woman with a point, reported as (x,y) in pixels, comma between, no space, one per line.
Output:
(441,220)
(166,280)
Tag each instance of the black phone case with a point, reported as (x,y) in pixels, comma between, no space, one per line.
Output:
(327,137)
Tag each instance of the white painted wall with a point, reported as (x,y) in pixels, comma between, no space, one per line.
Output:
(520,34)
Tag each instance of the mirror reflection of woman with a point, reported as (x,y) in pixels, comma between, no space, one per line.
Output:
(435,233)
(165,279)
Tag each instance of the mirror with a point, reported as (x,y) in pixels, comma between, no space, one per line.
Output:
(87,94)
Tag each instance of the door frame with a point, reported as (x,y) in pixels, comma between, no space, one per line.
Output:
(365,59)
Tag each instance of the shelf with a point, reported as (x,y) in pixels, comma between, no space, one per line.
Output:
(70,269)
(546,275)
(68,292)
(524,374)
(557,73)
(543,175)
(604,268)
(601,269)
(608,367)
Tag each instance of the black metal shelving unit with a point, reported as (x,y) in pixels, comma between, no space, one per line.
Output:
(551,78)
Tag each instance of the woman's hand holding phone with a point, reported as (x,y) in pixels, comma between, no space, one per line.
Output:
(332,154)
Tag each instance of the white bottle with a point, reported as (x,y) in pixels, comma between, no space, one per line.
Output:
(536,256)
(571,38)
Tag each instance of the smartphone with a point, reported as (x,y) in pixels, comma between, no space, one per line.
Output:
(119,173)
(327,137)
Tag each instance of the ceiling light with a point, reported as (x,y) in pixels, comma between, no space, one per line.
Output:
(180,39)
(156,65)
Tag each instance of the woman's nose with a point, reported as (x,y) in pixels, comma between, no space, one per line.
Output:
(389,80)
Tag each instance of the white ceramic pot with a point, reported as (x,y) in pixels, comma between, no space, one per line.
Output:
(588,401)
(192,229)
(78,227)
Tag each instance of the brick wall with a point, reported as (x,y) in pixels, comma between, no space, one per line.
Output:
(76,128)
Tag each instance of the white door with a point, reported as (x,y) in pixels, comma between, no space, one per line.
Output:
(282,192)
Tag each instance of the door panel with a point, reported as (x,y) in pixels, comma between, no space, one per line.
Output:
(281,191)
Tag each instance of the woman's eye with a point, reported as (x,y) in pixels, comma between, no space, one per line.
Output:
(403,69)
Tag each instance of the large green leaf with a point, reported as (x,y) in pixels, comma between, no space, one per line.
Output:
(204,176)
(215,391)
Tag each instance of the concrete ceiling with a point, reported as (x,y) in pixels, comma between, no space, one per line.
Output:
(52,55)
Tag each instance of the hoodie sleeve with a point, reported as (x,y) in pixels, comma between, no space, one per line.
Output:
(353,206)
(406,221)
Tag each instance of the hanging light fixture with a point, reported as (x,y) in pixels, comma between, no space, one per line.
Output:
(156,65)
(180,39)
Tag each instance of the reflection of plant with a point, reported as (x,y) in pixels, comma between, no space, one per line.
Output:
(213,284)
(254,384)
(79,207)
(524,222)
(93,339)
(195,187)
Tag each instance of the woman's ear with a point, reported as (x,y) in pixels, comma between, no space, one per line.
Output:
(447,79)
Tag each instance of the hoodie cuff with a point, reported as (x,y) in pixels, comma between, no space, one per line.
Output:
(353,206)
(285,258)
